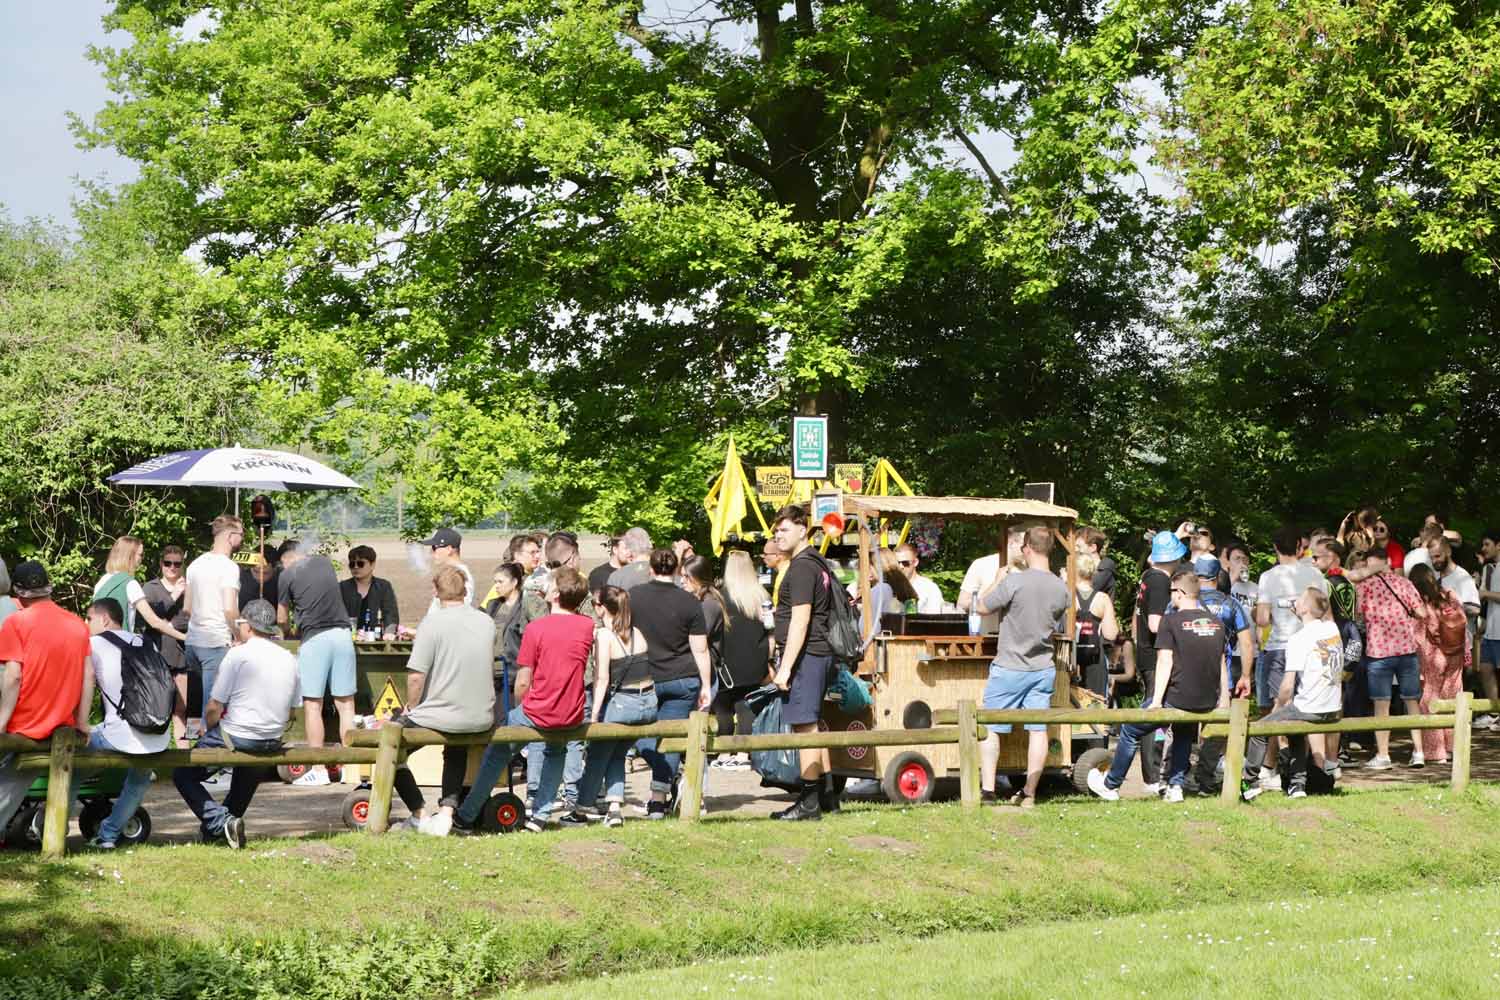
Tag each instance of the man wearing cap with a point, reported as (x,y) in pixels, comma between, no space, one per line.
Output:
(254,692)
(445,544)
(1153,598)
(1238,637)
(44,652)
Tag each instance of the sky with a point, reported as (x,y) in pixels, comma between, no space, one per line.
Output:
(44,74)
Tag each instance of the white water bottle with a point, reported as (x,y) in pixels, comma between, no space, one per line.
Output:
(976,622)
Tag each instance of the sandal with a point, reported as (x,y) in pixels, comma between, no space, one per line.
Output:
(1023,800)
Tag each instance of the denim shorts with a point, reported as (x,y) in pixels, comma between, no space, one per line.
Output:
(1489,651)
(1019,689)
(326,663)
(804,699)
(1405,670)
(1270,668)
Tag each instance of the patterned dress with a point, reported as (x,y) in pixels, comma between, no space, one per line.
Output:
(1442,675)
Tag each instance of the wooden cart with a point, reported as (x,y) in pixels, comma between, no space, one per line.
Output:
(919,665)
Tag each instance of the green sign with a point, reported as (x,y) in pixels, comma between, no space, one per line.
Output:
(810,447)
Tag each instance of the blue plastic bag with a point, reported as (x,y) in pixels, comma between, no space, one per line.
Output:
(853,693)
(777,768)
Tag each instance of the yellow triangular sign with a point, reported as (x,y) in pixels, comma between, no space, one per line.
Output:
(389,704)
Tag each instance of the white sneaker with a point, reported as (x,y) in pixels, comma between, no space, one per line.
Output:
(315,775)
(1099,788)
(1486,721)
(436,825)
(1379,764)
(1152,788)
(1174,794)
(1418,759)
(1270,780)
(1296,793)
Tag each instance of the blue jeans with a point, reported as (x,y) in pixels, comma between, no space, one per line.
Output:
(242,784)
(1184,735)
(494,762)
(572,767)
(675,700)
(606,761)
(132,792)
(205,661)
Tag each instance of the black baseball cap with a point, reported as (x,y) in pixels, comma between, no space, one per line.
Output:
(30,580)
(445,536)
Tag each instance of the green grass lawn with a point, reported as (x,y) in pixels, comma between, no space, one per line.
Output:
(1438,942)
(359,916)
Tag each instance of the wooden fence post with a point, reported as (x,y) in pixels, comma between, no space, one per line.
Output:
(1234,750)
(690,798)
(383,781)
(59,792)
(968,757)
(1463,740)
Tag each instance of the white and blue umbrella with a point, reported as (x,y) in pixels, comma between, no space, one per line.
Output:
(235,468)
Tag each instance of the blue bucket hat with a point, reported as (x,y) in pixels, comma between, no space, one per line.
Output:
(1167,547)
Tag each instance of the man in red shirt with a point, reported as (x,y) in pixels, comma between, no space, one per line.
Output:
(44,651)
(549,685)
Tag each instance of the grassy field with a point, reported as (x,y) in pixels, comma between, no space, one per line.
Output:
(355,916)
(1440,942)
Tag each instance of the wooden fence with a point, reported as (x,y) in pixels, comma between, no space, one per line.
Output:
(695,738)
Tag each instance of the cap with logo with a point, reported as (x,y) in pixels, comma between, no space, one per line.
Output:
(1206,567)
(445,536)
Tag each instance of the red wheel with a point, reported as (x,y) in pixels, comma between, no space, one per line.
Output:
(503,813)
(291,772)
(908,779)
(356,809)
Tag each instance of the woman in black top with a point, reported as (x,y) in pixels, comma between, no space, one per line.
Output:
(623,693)
(743,645)
(165,594)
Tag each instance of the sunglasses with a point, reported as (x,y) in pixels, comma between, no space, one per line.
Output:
(171,562)
(903,562)
(356,563)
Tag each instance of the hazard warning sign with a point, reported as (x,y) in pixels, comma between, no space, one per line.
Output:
(388,705)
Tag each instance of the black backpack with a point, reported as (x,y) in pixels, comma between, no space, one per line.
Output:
(843,625)
(147,693)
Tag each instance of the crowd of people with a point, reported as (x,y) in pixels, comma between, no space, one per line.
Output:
(1342,624)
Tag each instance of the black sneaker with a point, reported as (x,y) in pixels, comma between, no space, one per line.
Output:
(234,832)
(461,828)
(573,818)
(656,810)
(988,798)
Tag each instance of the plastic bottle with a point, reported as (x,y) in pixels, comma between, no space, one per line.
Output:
(976,620)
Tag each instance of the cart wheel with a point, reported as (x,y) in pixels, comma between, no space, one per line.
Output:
(503,813)
(356,808)
(95,812)
(25,829)
(335,774)
(908,779)
(291,772)
(137,828)
(1095,759)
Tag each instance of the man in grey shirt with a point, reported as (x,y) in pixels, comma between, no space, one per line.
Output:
(450,688)
(636,572)
(1032,602)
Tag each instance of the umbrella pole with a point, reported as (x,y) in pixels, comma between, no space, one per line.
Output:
(261,552)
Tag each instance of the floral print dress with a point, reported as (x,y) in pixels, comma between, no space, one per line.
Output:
(1442,675)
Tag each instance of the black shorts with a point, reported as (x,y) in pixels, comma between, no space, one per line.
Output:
(804,699)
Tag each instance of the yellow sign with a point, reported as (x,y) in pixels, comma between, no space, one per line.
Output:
(774,483)
(850,478)
(389,703)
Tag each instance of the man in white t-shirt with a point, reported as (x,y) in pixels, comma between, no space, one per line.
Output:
(1454,577)
(929,597)
(212,604)
(252,699)
(1488,591)
(445,544)
(984,574)
(1276,595)
(1311,690)
(114,733)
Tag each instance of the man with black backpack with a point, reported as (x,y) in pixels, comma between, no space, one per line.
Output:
(804,658)
(136,687)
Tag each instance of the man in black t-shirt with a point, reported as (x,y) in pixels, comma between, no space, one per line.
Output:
(1152,599)
(671,620)
(804,658)
(1189,676)
(311,597)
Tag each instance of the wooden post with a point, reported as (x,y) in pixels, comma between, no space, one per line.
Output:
(383,782)
(59,792)
(1463,741)
(968,756)
(1234,750)
(871,615)
(690,800)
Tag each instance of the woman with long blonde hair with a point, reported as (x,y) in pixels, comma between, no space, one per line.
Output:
(120,585)
(746,661)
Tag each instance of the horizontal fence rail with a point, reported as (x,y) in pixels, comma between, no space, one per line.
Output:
(695,737)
